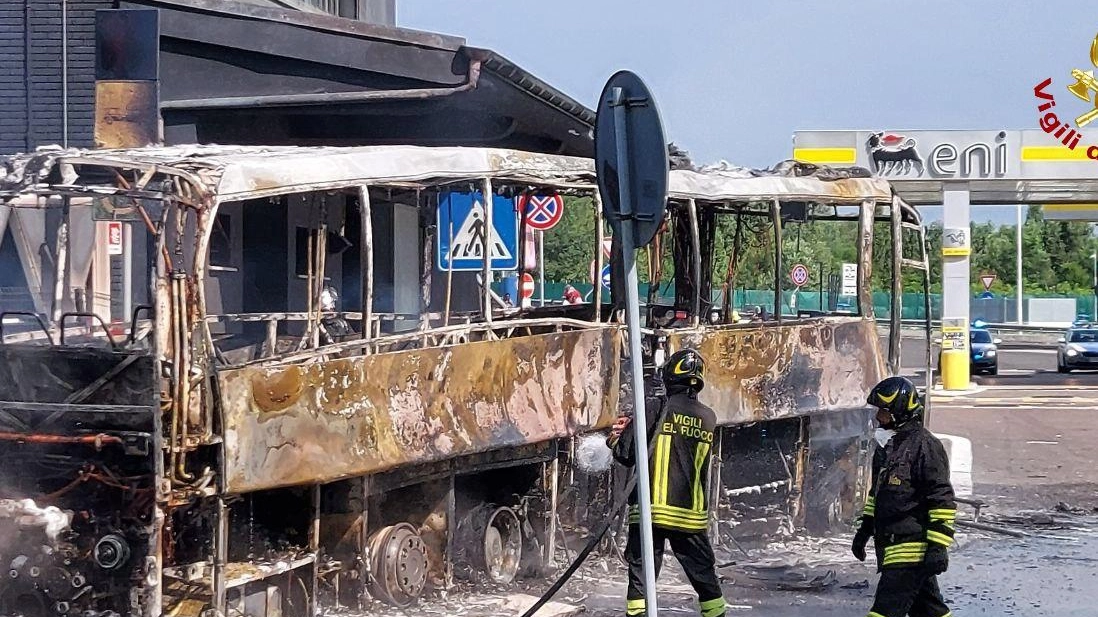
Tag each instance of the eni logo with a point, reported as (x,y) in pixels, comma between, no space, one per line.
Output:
(1085,88)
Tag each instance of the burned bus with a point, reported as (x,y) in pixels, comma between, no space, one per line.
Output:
(787,380)
(313,395)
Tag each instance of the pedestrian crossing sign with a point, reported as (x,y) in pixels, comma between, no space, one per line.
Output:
(463,232)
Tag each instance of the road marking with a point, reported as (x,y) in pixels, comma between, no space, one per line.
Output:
(1007,408)
(1039,351)
(960,463)
(1031,388)
(1044,443)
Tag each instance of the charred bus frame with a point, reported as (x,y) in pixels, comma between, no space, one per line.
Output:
(792,384)
(255,460)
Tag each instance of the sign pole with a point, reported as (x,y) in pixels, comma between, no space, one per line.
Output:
(1019,286)
(632,315)
(541,265)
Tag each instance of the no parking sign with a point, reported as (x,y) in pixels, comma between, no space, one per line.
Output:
(542,212)
(799,275)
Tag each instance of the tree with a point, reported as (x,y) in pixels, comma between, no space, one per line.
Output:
(1056,255)
(570,246)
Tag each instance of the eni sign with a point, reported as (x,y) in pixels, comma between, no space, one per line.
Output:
(914,155)
(979,158)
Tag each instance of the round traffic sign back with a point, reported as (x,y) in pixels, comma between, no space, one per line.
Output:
(604,275)
(799,275)
(526,288)
(542,212)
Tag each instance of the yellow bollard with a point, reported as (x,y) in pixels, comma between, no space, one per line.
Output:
(954,369)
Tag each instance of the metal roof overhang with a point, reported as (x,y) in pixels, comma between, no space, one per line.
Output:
(244,74)
(999,192)
(996,167)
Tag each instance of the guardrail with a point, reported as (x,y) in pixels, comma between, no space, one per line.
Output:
(1008,327)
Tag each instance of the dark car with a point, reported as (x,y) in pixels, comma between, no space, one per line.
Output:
(983,352)
(1078,350)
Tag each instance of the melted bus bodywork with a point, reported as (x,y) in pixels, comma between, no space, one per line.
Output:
(245,446)
(788,386)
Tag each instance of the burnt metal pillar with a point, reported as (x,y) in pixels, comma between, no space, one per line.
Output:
(314,547)
(61,267)
(552,470)
(427,269)
(695,271)
(897,306)
(776,220)
(366,261)
(488,210)
(865,258)
(220,553)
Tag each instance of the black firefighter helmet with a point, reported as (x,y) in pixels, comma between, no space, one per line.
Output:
(686,368)
(899,397)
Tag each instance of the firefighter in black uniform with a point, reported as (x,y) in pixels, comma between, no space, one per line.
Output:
(679,473)
(910,511)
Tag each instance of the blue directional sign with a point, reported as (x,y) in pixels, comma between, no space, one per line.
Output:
(462,232)
(606,276)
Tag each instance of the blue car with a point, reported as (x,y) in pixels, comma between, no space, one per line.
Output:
(983,352)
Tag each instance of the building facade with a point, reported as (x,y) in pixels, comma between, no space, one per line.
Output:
(328,72)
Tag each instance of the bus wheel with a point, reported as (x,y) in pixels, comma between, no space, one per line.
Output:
(398,565)
(502,545)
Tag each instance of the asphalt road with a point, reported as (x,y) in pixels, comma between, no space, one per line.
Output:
(1028,367)
(1029,430)
(1027,447)
(1027,450)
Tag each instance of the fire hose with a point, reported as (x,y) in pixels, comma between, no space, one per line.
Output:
(596,537)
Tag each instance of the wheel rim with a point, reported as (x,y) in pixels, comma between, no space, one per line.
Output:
(398,560)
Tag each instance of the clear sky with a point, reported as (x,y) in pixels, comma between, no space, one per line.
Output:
(735,78)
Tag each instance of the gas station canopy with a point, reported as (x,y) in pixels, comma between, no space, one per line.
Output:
(999,167)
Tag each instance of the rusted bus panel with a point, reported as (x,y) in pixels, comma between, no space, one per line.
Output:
(344,417)
(771,372)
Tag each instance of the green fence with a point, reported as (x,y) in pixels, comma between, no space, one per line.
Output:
(998,309)
(751,298)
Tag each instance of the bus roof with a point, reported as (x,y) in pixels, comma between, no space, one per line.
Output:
(247,172)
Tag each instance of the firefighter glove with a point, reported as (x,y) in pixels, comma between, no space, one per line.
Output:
(858,546)
(615,431)
(937,558)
